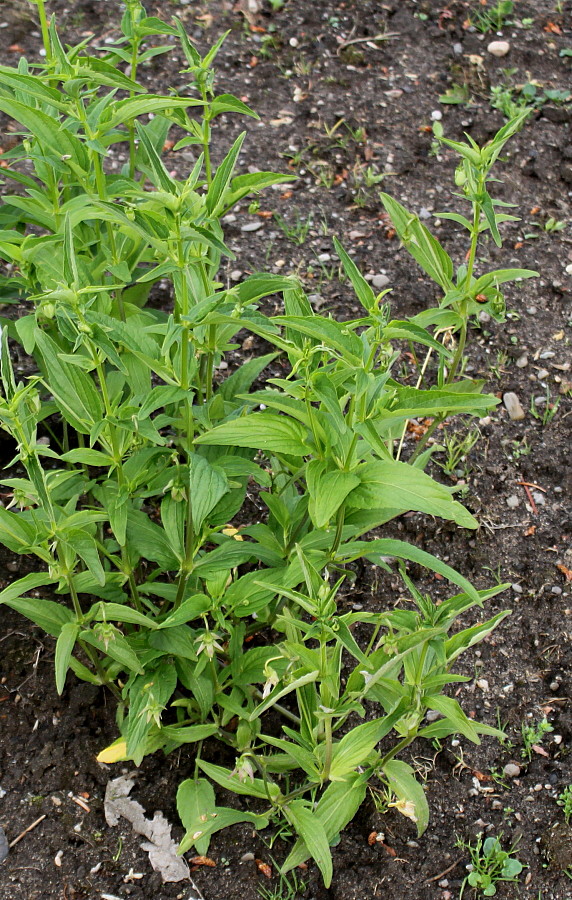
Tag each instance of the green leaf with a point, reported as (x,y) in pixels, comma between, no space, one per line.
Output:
(118,612)
(188,734)
(128,110)
(85,456)
(117,648)
(386,547)
(86,548)
(451,710)
(196,805)
(327,490)
(74,392)
(402,781)
(311,830)
(260,431)
(228,103)
(64,648)
(255,787)
(399,486)
(221,181)
(164,180)
(336,807)
(501,276)
(355,747)
(276,695)
(420,243)
(190,609)
(16,533)
(363,289)
(150,541)
(46,614)
(207,485)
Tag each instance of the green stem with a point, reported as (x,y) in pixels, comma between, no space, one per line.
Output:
(329,749)
(401,745)
(45,31)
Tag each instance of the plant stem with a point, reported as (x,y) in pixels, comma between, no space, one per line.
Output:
(45,31)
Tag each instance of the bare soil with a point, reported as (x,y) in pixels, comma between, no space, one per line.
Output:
(333,99)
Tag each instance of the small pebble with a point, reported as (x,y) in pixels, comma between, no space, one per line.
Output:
(484,317)
(424,213)
(511,770)
(380,281)
(436,115)
(568,269)
(517,588)
(324,257)
(513,406)
(294,42)
(483,684)
(498,48)
(538,498)
(548,354)
(557,738)
(532,310)
(252,226)
(554,685)
(247,857)
(542,374)
(394,94)
(556,589)
(513,501)
(235,275)
(522,361)
(457,49)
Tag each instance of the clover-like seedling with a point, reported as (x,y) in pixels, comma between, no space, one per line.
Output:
(489,865)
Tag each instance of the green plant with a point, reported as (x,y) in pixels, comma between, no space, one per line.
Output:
(363,180)
(550,226)
(550,409)
(491,18)
(296,231)
(200,627)
(456,95)
(565,801)
(520,448)
(289,887)
(490,865)
(457,447)
(533,735)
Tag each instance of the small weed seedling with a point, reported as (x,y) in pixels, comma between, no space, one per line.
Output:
(532,735)
(565,801)
(545,415)
(489,865)
(457,447)
(492,18)
(289,887)
(297,231)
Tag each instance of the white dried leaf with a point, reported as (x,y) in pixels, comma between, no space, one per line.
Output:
(160,846)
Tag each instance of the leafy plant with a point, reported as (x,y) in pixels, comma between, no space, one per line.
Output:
(544,416)
(490,865)
(151,574)
(565,801)
(491,18)
(532,735)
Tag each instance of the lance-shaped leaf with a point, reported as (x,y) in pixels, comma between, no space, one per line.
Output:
(396,485)
(64,648)
(74,392)
(260,431)
(411,799)
(309,827)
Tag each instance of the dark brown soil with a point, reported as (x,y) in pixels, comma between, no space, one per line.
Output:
(310,85)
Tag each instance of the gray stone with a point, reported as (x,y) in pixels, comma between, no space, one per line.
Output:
(380,281)
(513,501)
(498,48)
(252,226)
(511,770)
(522,361)
(513,406)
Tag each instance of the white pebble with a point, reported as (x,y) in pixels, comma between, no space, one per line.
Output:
(498,48)
(252,226)
(436,115)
